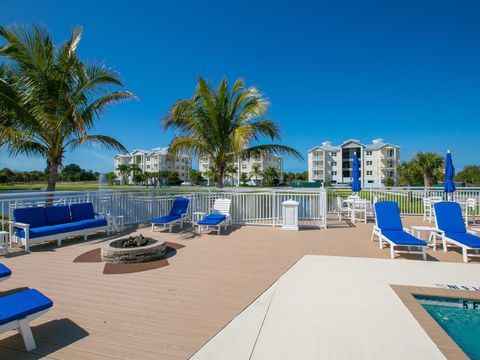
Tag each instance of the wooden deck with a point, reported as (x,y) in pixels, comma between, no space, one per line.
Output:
(169,312)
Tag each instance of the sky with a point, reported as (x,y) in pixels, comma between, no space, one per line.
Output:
(405,71)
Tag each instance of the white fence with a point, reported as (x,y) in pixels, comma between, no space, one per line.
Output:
(247,207)
(409,199)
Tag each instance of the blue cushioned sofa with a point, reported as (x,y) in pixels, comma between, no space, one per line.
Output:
(33,225)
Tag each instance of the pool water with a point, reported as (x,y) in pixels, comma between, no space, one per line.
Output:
(459,318)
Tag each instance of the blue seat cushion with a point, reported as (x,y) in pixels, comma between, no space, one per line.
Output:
(165,219)
(59,214)
(179,207)
(51,230)
(4,271)
(35,216)
(449,217)
(21,304)
(402,238)
(212,219)
(465,238)
(387,214)
(93,223)
(82,211)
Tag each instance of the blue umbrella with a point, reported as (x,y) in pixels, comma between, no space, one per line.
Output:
(356,172)
(449,186)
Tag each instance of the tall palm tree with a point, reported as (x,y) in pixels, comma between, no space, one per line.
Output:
(135,171)
(429,164)
(223,125)
(256,171)
(50,99)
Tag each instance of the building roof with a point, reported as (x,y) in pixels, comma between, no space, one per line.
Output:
(376,144)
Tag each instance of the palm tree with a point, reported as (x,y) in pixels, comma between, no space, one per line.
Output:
(136,172)
(50,99)
(230,171)
(429,164)
(270,176)
(222,125)
(123,169)
(256,171)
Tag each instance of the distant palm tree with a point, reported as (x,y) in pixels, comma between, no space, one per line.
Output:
(223,124)
(230,171)
(430,165)
(123,169)
(256,171)
(50,99)
(136,172)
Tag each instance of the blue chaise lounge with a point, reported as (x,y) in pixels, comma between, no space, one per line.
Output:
(33,225)
(451,227)
(177,214)
(388,228)
(5,272)
(17,310)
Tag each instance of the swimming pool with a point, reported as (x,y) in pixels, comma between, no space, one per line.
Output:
(459,318)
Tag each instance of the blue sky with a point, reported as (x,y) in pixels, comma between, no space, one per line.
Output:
(405,71)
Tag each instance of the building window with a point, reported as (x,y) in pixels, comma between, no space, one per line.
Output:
(334,163)
(369,162)
(370,181)
(369,172)
(244,167)
(334,154)
(334,173)
(369,153)
(148,166)
(148,158)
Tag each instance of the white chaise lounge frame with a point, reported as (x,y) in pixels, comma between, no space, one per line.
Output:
(381,239)
(221,207)
(23,327)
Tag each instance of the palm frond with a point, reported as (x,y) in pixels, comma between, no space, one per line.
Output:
(94,140)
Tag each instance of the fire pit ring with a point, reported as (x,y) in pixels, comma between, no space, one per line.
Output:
(141,250)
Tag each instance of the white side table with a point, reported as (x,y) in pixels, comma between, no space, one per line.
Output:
(432,233)
(196,217)
(4,243)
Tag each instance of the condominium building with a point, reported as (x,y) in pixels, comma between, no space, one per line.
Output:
(246,166)
(333,163)
(154,160)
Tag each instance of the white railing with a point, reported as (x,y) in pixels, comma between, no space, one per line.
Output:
(409,199)
(248,207)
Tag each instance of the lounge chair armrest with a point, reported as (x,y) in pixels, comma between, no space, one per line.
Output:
(472,232)
(407,230)
(19,225)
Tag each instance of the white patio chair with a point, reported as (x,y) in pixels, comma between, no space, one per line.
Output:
(470,209)
(342,208)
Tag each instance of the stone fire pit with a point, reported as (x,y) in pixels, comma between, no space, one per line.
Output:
(134,249)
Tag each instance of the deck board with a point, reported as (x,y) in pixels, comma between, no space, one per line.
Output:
(169,312)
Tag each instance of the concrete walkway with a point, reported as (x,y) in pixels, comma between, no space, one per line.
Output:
(337,308)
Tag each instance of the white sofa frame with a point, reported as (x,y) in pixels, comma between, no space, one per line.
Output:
(26,241)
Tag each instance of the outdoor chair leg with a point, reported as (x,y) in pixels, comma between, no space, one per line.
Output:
(424,254)
(26,332)
(465,256)
(444,244)
(392,252)
(153,227)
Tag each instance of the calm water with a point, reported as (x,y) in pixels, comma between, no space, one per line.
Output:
(462,324)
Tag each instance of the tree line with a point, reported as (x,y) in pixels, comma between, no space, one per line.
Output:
(426,169)
(70,173)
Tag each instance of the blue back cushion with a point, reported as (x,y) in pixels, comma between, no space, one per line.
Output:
(388,215)
(179,207)
(449,217)
(35,216)
(82,211)
(59,214)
